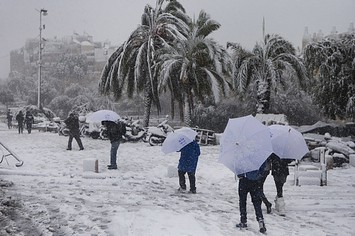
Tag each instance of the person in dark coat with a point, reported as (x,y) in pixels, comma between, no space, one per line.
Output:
(115,131)
(29,120)
(250,182)
(9,119)
(20,119)
(188,164)
(72,122)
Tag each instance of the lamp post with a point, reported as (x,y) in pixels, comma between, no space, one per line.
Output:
(44,13)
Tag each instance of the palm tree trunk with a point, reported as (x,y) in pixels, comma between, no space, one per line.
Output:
(263,97)
(187,112)
(147,104)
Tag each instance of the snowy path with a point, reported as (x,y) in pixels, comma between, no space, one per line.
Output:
(139,198)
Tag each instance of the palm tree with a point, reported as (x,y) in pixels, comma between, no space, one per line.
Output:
(194,67)
(132,64)
(267,65)
(331,64)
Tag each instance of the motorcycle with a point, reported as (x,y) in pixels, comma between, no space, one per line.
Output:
(157,135)
(134,130)
(94,131)
(63,129)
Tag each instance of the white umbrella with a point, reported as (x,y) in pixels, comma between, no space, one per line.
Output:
(103,115)
(178,139)
(245,144)
(287,142)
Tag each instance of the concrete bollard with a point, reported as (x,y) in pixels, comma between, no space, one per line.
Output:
(352,159)
(323,178)
(91,165)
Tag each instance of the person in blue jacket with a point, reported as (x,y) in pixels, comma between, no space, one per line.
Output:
(188,164)
(250,182)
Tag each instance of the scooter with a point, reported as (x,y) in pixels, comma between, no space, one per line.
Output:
(63,129)
(134,131)
(157,135)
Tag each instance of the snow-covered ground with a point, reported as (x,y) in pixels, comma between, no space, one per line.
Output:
(52,195)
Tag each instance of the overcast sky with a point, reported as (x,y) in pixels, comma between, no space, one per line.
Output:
(114,20)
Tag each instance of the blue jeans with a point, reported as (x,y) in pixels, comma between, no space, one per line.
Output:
(114,148)
(253,187)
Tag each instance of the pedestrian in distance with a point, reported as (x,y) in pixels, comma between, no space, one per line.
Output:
(29,120)
(250,182)
(279,170)
(187,164)
(115,131)
(9,119)
(72,122)
(20,119)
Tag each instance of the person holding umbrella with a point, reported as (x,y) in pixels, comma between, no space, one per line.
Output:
(245,146)
(188,164)
(250,182)
(72,123)
(183,140)
(115,131)
(288,144)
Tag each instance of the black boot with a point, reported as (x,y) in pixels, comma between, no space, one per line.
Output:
(262,228)
(268,205)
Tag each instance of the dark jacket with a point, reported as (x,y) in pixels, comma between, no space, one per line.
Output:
(72,122)
(255,174)
(279,167)
(20,118)
(29,118)
(189,157)
(115,131)
(9,116)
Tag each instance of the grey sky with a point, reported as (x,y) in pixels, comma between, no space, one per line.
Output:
(114,20)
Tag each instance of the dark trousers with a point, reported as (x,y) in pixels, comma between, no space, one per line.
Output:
(77,138)
(279,180)
(253,187)
(29,127)
(113,152)
(279,188)
(192,180)
(20,128)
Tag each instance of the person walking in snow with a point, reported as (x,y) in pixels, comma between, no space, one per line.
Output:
(250,182)
(187,164)
(29,120)
(115,131)
(20,119)
(9,119)
(72,122)
(279,170)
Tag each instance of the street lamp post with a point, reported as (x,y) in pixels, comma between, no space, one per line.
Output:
(44,13)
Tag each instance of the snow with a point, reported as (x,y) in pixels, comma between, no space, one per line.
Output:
(140,198)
